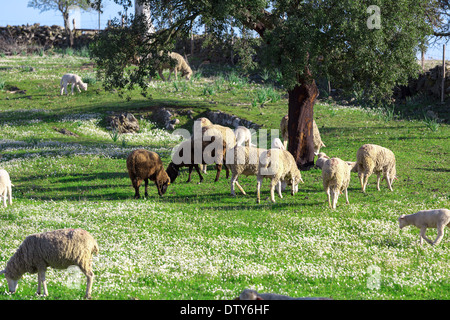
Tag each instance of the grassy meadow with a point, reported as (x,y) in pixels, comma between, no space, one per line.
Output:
(198,242)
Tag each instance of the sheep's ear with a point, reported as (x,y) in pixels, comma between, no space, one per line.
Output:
(402,216)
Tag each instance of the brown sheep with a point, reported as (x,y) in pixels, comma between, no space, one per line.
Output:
(147,165)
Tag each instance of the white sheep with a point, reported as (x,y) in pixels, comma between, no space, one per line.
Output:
(180,66)
(58,249)
(75,80)
(242,160)
(335,179)
(243,136)
(249,294)
(277,144)
(317,140)
(5,187)
(435,218)
(371,158)
(321,158)
(278,166)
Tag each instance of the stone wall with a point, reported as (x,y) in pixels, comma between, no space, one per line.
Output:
(26,37)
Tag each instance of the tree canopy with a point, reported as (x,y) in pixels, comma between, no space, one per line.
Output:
(368,46)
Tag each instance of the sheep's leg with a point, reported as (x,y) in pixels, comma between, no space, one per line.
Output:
(361,180)
(423,230)
(328,192)
(4,198)
(136,185)
(218,169)
(440,235)
(258,189)
(61,89)
(10,194)
(170,74)
(233,182)
(190,172)
(279,189)
(346,196)
(87,270)
(378,181)
(160,72)
(272,190)
(73,85)
(389,181)
(146,187)
(204,166)
(78,88)
(90,279)
(334,197)
(41,282)
(198,171)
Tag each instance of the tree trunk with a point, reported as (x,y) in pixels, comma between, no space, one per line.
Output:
(300,126)
(67,27)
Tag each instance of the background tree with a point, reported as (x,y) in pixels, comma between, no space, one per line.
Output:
(302,39)
(62,6)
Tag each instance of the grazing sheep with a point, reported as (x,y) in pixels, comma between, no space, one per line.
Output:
(242,160)
(75,80)
(335,179)
(371,158)
(58,249)
(318,143)
(278,166)
(5,187)
(146,165)
(243,136)
(249,294)
(180,66)
(435,218)
(190,160)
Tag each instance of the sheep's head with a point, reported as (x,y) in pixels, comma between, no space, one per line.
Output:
(84,86)
(187,74)
(12,283)
(162,181)
(162,186)
(173,171)
(402,221)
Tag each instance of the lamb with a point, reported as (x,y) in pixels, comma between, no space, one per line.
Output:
(371,158)
(243,136)
(58,249)
(5,187)
(335,179)
(147,165)
(191,161)
(278,166)
(180,66)
(318,143)
(75,80)
(249,294)
(435,218)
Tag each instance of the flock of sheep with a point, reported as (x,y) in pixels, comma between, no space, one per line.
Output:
(210,144)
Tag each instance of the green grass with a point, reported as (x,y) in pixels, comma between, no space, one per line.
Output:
(198,242)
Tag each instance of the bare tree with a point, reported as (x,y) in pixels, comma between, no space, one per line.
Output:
(62,6)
